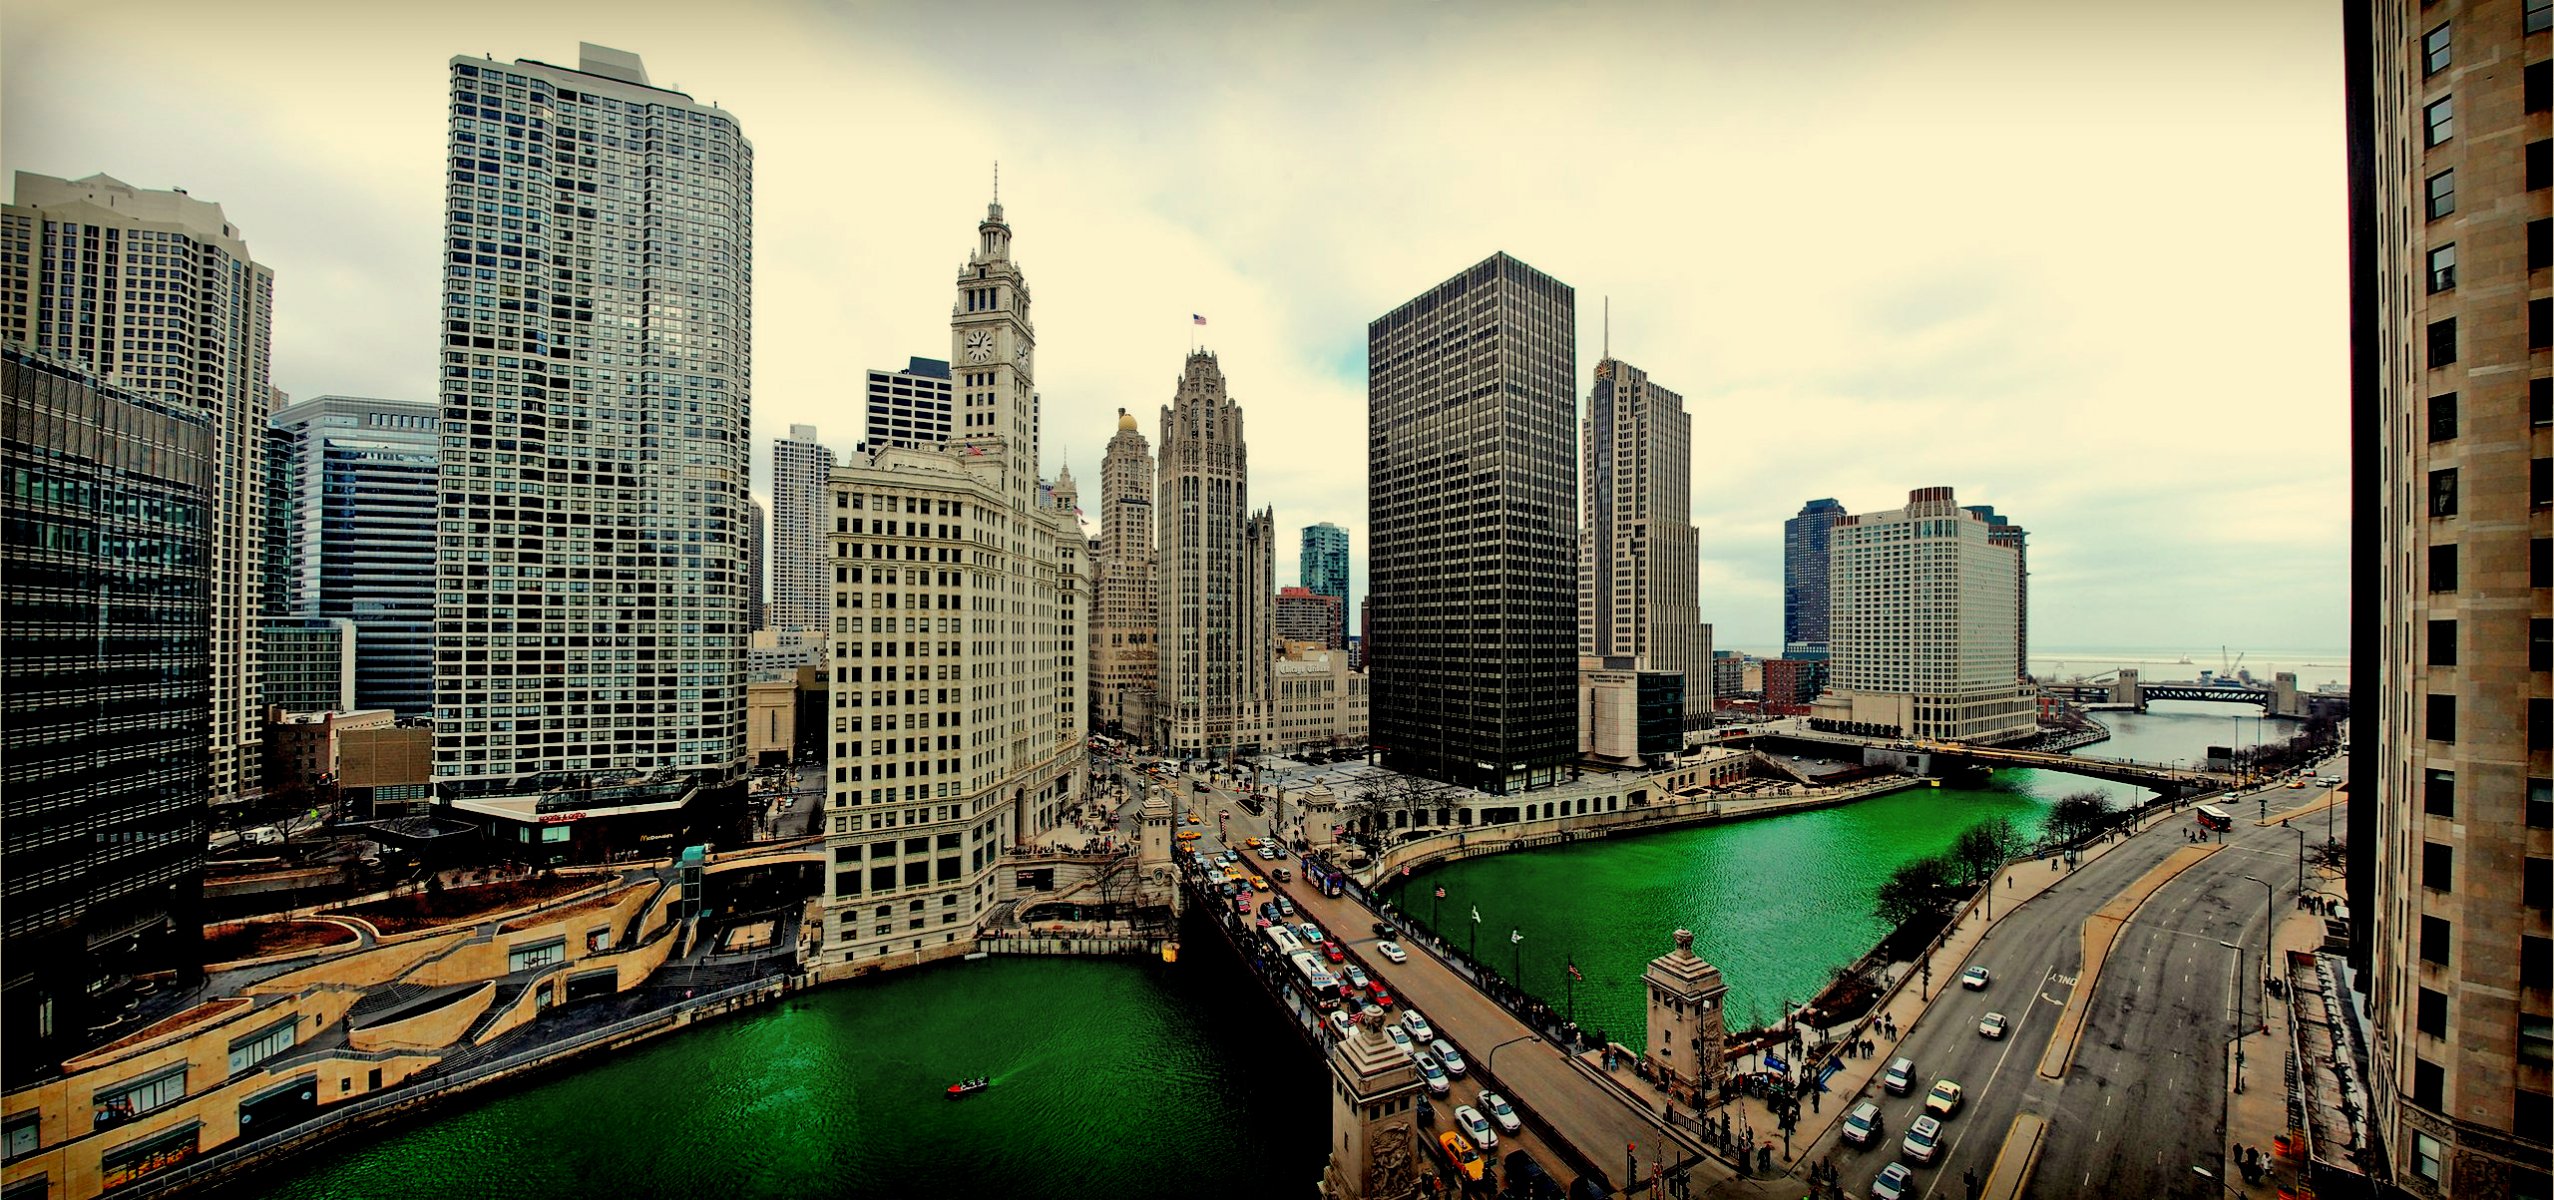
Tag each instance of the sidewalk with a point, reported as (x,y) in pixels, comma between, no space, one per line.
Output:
(2259,1115)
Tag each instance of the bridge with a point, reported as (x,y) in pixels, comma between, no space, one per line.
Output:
(2280,698)
(2156,776)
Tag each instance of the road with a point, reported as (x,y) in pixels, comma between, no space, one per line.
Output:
(2145,1097)
(1590,1116)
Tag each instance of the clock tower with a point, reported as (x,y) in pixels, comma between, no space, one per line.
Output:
(992,354)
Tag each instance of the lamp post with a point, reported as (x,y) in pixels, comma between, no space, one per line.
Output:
(2269,930)
(2301,861)
(1490,1066)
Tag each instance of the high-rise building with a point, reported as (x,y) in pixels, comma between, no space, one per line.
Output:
(1304,615)
(104,691)
(309,664)
(358,508)
(802,473)
(1472,499)
(1215,562)
(275,594)
(1324,568)
(1804,579)
(1124,662)
(754,535)
(1640,568)
(1921,633)
(590,589)
(913,408)
(156,293)
(950,744)
(2005,533)
(2451,858)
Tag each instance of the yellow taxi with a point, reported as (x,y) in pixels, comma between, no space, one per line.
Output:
(1192,818)
(1189,835)
(1254,843)
(1459,1152)
(1258,883)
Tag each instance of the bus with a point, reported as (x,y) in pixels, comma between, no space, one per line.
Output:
(1318,983)
(2212,817)
(1285,941)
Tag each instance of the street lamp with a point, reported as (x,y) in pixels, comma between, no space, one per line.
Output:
(2301,860)
(1490,1065)
(2269,932)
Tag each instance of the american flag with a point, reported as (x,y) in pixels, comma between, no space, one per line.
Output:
(1195,319)
(1574,972)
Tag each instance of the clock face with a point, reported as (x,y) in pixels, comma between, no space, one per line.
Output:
(980,345)
(1021,352)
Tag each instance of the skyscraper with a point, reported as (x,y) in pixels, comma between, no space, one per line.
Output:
(1306,616)
(104,693)
(802,470)
(1124,666)
(1804,579)
(590,573)
(949,749)
(1922,629)
(1324,567)
(1215,563)
(1472,501)
(914,407)
(156,293)
(1639,565)
(2451,868)
(755,534)
(359,536)
(2002,532)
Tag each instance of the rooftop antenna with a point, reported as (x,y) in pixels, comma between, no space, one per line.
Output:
(997,181)
(1607,337)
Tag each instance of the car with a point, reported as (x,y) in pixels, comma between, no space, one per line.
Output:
(1269,910)
(1451,1057)
(1923,1140)
(1497,1106)
(1894,1183)
(1475,1126)
(1259,883)
(1282,875)
(1341,1025)
(1192,819)
(1459,1153)
(1944,1099)
(1383,931)
(1331,951)
(1392,952)
(1417,1025)
(1900,1077)
(1311,933)
(1864,1124)
(1432,1073)
(1241,904)
(1286,907)
(1992,1025)
(1189,835)
(1356,975)
(1974,979)
(2296,783)
(1228,858)
(1252,843)
(1382,997)
(1400,1040)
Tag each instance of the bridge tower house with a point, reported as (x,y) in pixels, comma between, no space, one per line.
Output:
(2129,690)
(1375,1148)
(1688,1035)
(1153,853)
(1320,813)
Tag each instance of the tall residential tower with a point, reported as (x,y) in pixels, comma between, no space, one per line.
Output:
(1324,567)
(1921,630)
(1472,482)
(1639,566)
(802,526)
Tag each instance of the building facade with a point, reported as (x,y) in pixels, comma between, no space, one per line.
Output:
(1921,627)
(310,664)
(88,259)
(756,531)
(1304,615)
(359,537)
(1793,682)
(1804,578)
(2003,532)
(590,573)
(1324,567)
(2451,252)
(1125,666)
(1640,568)
(802,478)
(1320,701)
(104,693)
(913,408)
(956,726)
(1214,565)
(1472,495)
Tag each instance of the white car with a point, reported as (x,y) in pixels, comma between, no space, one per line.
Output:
(1356,976)
(1992,1026)
(1974,979)
(1451,1057)
(1400,1041)
(1431,1074)
(1470,1121)
(1923,1140)
(1341,1025)
(1497,1106)
(1392,951)
(1417,1025)
(1894,1183)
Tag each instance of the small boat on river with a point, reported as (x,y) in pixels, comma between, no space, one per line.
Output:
(966,1088)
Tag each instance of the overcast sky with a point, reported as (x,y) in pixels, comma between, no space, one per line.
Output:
(2083,262)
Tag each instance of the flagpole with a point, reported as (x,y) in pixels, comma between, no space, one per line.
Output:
(1570,972)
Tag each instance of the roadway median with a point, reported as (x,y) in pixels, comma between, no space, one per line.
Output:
(2013,1162)
(2100,930)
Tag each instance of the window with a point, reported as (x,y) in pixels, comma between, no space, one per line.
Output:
(2540,642)
(2540,803)
(2443,343)
(2438,121)
(2432,1013)
(133,1160)
(2443,268)
(256,1048)
(2540,86)
(2438,867)
(2536,962)
(2443,568)
(133,1099)
(539,954)
(2434,51)
(22,1132)
(2536,883)
(2536,16)
(2443,643)
(2540,323)
(2442,195)
(2438,793)
(2434,941)
(2540,244)
(2540,164)
(2540,725)
(2536,1039)
(2443,493)
(2441,726)
(2425,1153)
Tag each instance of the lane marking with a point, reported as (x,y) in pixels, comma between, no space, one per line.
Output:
(2101,930)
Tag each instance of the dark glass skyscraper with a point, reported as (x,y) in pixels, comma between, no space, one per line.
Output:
(1324,566)
(1804,579)
(105,691)
(1472,500)
(359,536)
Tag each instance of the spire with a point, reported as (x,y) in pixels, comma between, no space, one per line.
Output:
(993,211)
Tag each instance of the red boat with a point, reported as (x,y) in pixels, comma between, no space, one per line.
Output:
(959,1091)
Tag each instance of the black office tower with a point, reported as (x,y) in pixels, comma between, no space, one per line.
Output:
(1472,497)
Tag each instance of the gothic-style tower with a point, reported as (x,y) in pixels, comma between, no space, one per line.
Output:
(1213,564)
(991,347)
(1123,669)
